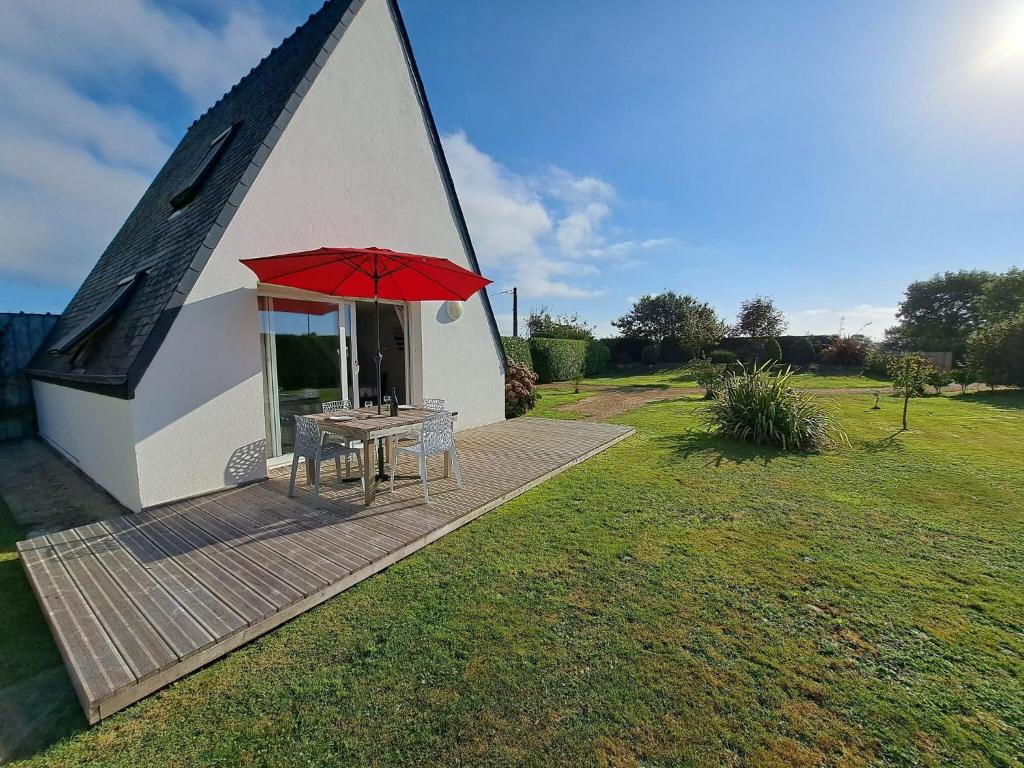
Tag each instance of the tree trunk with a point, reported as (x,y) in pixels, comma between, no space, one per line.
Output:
(906,402)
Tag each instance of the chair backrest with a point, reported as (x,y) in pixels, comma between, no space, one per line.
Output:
(307,437)
(330,406)
(433,403)
(437,435)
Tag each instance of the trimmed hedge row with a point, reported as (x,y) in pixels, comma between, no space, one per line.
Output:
(558,359)
(518,350)
(598,358)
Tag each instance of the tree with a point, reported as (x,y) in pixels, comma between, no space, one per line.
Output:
(909,374)
(684,320)
(1003,296)
(941,312)
(938,378)
(759,318)
(541,324)
(964,375)
(997,352)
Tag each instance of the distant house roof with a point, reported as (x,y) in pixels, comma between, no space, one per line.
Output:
(171,233)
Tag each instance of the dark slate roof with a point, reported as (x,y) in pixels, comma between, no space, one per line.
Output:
(173,249)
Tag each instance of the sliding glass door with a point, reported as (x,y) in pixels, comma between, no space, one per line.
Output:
(304,343)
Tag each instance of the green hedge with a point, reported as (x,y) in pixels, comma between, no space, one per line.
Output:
(518,350)
(558,359)
(598,358)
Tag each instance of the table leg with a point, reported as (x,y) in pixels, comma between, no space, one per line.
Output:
(309,471)
(369,473)
(447,463)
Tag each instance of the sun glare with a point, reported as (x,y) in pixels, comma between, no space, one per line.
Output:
(1009,45)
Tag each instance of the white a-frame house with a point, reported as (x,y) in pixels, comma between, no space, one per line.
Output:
(172,373)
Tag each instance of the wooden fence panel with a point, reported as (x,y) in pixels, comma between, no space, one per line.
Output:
(20,336)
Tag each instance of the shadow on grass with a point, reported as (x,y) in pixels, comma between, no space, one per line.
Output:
(1007,399)
(37,703)
(883,444)
(718,450)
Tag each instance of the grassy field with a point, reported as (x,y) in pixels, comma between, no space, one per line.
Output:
(679,376)
(677,600)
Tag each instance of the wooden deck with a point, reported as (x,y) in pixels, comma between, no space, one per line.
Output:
(139,601)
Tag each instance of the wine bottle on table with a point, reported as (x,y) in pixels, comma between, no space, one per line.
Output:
(394,402)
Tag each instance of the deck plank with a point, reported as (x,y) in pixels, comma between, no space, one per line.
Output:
(179,629)
(142,647)
(136,602)
(212,613)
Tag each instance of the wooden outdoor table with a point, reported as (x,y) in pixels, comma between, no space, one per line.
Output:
(368,427)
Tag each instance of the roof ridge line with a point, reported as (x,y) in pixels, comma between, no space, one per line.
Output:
(258,64)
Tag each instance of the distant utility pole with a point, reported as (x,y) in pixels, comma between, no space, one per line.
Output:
(515,309)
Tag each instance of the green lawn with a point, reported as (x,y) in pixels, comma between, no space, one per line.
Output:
(679,376)
(677,600)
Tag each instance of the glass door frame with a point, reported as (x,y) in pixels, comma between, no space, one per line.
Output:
(349,379)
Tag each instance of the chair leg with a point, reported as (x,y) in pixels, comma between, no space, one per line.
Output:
(348,464)
(337,467)
(316,484)
(423,477)
(394,469)
(359,466)
(295,468)
(455,465)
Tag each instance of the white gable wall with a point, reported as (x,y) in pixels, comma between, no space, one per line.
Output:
(355,166)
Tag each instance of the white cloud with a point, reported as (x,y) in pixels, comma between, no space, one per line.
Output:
(863,318)
(74,163)
(90,40)
(544,232)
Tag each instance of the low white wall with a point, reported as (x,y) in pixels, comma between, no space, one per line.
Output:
(95,433)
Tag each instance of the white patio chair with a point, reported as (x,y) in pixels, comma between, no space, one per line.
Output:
(334,406)
(429,404)
(310,445)
(436,437)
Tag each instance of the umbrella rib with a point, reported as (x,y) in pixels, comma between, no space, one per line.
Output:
(435,282)
(355,268)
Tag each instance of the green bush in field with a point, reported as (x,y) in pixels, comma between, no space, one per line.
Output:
(558,359)
(772,349)
(760,406)
(517,350)
(650,354)
(876,363)
(938,378)
(722,357)
(598,358)
(708,374)
(964,375)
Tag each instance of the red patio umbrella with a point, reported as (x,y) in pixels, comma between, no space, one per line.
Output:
(375,273)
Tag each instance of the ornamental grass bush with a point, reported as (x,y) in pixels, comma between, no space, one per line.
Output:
(759,406)
(520,395)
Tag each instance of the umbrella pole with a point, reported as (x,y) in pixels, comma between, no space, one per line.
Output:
(380,357)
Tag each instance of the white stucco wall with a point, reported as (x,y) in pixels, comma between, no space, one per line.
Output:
(95,433)
(354,167)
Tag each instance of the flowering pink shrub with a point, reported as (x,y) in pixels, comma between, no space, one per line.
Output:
(520,396)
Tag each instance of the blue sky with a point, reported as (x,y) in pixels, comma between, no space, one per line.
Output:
(825,154)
